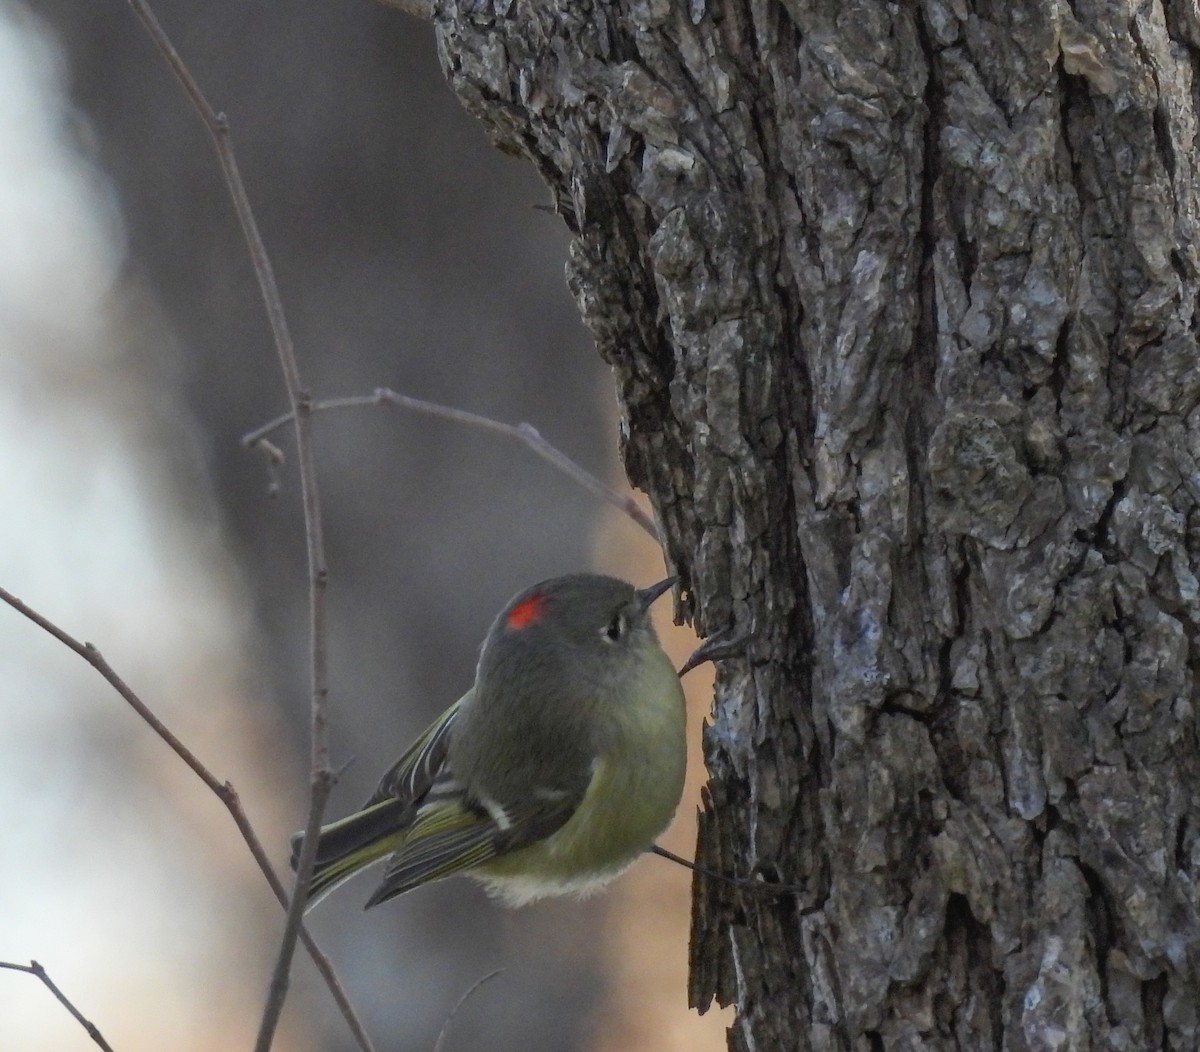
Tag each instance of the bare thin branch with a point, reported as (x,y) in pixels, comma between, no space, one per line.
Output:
(93,657)
(470,991)
(33,968)
(224,791)
(321,775)
(524,433)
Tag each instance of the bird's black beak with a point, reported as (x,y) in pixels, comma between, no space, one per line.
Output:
(646,596)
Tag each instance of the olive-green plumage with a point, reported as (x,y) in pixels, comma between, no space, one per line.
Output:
(560,766)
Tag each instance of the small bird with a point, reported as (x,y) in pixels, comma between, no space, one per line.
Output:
(550,776)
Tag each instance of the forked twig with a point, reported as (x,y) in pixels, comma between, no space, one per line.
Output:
(525,433)
(33,968)
(321,775)
(224,791)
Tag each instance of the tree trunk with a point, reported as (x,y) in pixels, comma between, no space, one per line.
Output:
(901,303)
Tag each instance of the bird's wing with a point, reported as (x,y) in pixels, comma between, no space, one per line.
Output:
(412,776)
(373,830)
(453,833)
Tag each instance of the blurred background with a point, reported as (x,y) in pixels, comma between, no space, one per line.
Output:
(134,353)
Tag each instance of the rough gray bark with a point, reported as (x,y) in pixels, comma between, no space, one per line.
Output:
(901,304)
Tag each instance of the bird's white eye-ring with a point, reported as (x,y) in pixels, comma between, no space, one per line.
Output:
(615,629)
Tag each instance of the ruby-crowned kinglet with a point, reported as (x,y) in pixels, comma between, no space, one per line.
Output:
(550,776)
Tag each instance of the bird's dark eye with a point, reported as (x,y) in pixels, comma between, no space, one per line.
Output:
(615,629)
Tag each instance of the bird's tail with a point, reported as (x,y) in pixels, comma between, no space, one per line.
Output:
(352,844)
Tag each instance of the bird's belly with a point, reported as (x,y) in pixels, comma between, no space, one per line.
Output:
(633,794)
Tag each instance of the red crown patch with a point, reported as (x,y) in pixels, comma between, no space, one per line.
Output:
(527,611)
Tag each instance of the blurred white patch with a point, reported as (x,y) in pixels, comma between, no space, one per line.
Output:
(62,240)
